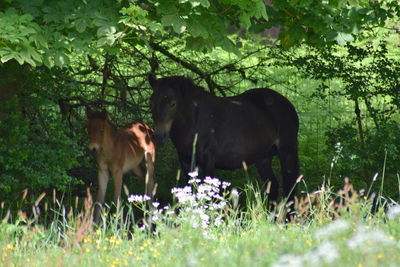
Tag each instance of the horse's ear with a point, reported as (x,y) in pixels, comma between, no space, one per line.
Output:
(186,87)
(103,114)
(152,80)
(89,112)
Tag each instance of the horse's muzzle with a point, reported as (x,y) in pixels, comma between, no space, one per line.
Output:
(93,148)
(160,138)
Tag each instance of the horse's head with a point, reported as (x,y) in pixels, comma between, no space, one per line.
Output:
(96,127)
(164,104)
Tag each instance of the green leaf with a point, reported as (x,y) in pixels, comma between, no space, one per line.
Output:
(106,30)
(260,10)
(204,3)
(168,20)
(198,44)
(18,58)
(342,38)
(48,62)
(7,57)
(61,59)
(178,24)
(167,8)
(245,20)
(81,25)
(228,45)
(197,29)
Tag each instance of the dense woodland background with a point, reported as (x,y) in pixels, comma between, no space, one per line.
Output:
(337,61)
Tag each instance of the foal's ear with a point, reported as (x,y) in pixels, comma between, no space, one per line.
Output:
(152,80)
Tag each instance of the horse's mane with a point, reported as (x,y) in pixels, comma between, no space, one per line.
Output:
(185,84)
(98,115)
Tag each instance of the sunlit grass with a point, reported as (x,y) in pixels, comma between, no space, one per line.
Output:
(329,228)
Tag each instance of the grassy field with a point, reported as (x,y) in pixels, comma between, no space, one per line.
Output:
(205,227)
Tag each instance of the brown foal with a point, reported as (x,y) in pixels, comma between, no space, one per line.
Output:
(120,151)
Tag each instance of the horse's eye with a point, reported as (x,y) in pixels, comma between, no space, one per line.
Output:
(173,104)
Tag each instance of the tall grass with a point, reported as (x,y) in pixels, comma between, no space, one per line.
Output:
(207,227)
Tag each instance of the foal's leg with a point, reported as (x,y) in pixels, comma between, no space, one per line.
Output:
(150,160)
(103,177)
(139,172)
(266,173)
(117,175)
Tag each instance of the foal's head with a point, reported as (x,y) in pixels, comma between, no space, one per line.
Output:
(96,127)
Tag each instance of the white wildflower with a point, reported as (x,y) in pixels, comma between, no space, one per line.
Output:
(218,221)
(200,203)
(217,196)
(289,260)
(205,220)
(155,217)
(192,261)
(333,228)
(194,174)
(326,252)
(225,184)
(138,198)
(212,181)
(194,181)
(368,238)
(393,212)
(155,204)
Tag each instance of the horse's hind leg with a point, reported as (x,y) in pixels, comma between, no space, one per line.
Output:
(266,173)
(290,169)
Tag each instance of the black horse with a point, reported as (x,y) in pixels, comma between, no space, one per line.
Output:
(251,127)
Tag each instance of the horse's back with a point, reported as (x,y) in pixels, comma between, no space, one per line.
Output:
(132,142)
(275,104)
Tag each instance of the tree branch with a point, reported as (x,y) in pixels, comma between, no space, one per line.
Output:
(207,77)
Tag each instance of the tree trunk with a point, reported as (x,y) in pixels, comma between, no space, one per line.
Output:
(361,133)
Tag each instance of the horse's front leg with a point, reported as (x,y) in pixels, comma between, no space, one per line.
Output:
(185,163)
(207,150)
(206,158)
(103,177)
(208,166)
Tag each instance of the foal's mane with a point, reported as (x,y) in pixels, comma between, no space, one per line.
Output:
(101,115)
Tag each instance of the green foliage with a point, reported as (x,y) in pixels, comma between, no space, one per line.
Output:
(46,32)
(377,157)
(105,47)
(41,33)
(366,78)
(34,153)
(21,38)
